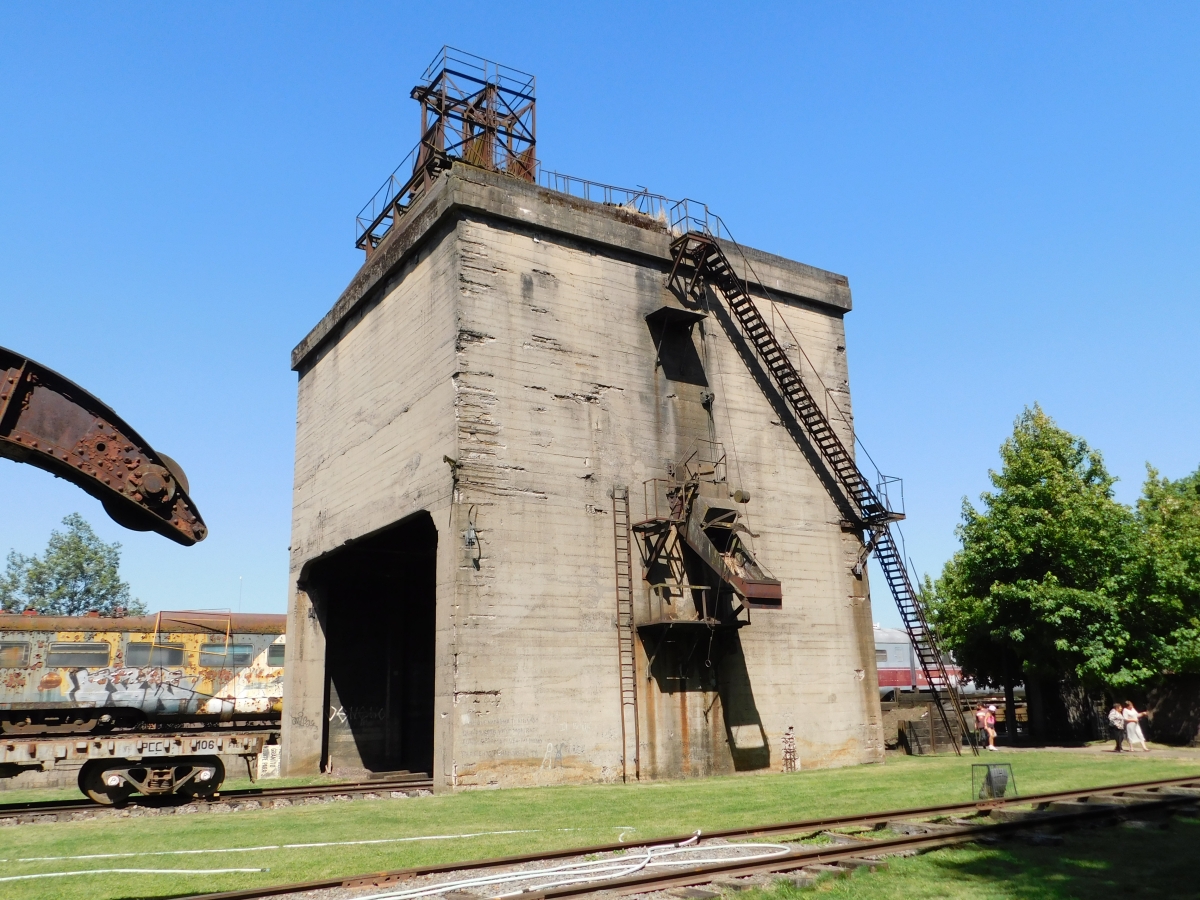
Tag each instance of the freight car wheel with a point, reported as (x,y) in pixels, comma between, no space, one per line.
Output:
(206,787)
(91,782)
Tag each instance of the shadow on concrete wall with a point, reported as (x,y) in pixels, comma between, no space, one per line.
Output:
(694,658)
(748,742)
(671,331)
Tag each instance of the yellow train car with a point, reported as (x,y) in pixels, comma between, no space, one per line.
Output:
(86,674)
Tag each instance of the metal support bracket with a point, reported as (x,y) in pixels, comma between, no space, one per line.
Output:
(863,555)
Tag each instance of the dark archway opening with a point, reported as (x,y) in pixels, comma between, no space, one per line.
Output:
(379,597)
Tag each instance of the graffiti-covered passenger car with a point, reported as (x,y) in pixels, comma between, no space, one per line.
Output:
(77,674)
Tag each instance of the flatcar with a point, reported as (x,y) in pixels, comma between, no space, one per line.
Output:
(92,674)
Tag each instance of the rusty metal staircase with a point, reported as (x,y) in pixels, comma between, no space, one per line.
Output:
(626,652)
(708,263)
(923,637)
(700,260)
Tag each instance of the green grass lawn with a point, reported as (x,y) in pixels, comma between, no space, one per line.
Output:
(542,818)
(1116,862)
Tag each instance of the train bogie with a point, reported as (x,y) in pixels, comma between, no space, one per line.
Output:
(111,767)
(111,782)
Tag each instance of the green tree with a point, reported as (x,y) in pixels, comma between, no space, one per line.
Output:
(78,573)
(1163,581)
(1033,595)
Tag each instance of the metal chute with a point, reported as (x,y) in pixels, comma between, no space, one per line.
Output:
(48,421)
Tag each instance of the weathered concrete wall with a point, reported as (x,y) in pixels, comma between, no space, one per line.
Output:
(374,420)
(503,327)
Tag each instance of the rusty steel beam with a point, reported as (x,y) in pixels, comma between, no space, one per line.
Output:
(50,422)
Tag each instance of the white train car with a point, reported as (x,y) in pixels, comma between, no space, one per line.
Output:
(898,668)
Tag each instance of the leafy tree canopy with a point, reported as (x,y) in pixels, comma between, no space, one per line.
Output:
(78,573)
(1036,585)
(1163,584)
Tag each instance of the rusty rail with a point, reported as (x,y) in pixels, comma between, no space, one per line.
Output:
(60,809)
(795,860)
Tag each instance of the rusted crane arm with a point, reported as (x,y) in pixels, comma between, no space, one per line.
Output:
(50,422)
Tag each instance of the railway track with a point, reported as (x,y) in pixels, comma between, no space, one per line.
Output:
(1057,810)
(66,810)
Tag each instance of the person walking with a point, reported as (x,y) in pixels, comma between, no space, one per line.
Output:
(1116,724)
(981,724)
(990,725)
(1133,731)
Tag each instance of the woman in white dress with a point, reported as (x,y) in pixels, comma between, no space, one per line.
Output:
(1133,730)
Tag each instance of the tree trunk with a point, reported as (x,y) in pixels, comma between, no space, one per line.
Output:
(1010,713)
(1036,708)
(1010,704)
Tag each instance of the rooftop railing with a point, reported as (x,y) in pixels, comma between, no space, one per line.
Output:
(478,70)
(397,192)
(388,203)
(638,200)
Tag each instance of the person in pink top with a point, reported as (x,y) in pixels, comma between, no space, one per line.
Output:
(980,723)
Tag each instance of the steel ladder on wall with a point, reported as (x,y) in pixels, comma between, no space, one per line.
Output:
(626,648)
(699,259)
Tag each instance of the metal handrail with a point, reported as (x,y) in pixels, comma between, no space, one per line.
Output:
(639,200)
(693,215)
(396,194)
(375,210)
(476,68)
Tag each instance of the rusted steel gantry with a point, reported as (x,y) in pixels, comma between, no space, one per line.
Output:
(472,109)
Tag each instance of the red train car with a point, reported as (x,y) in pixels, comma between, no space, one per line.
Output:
(898,669)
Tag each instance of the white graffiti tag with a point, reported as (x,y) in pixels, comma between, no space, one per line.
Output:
(150,688)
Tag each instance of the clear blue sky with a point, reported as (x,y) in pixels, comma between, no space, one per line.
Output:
(1012,190)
